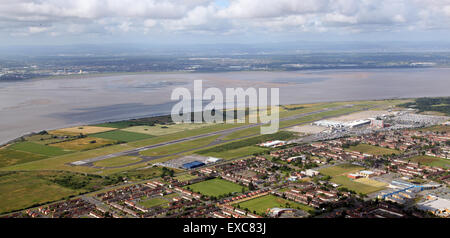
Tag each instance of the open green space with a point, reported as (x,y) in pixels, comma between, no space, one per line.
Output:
(373,150)
(441,105)
(340,169)
(117,161)
(46,139)
(20,190)
(86,143)
(355,186)
(237,153)
(431,161)
(146,121)
(185,177)
(61,162)
(262,205)
(158,130)
(183,134)
(123,136)
(216,187)
(11,157)
(38,149)
(153,202)
(180,147)
(281,135)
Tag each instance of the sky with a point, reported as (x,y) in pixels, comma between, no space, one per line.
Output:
(46,22)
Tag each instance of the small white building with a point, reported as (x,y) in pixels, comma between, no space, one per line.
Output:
(212,160)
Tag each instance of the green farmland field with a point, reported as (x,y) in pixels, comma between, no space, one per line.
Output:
(215,187)
(11,157)
(117,161)
(120,135)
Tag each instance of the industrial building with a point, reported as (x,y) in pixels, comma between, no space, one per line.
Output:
(193,165)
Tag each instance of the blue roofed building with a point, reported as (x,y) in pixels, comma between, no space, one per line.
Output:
(193,165)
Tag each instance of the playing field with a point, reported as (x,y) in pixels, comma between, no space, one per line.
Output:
(216,187)
(262,205)
(431,161)
(85,130)
(35,148)
(117,161)
(120,135)
(185,177)
(153,202)
(373,150)
(355,186)
(158,130)
(340,169)
(87,143)
(371,182)
(11,157)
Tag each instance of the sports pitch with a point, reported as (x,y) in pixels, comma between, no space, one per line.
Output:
(216,187)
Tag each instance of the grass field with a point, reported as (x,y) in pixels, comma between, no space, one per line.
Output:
(180,147)
(120,135)
(183,134)
(38,149)
(11,157)
(185,177)
(371,182)
(237,153)
(153,202)
(373,150)
(117,161)
(144,173)
(431,161)
(45,139)
(85,130)
(437,128)
(159,130)
(261,205)
(60,162)
(340,169)
(87,143)
(20,190)
(355,186)
(216,187)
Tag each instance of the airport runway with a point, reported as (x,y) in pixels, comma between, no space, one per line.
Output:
(135,152)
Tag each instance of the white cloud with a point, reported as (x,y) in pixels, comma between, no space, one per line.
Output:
(119,16)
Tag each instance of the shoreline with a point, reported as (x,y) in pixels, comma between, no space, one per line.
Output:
(106,74)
